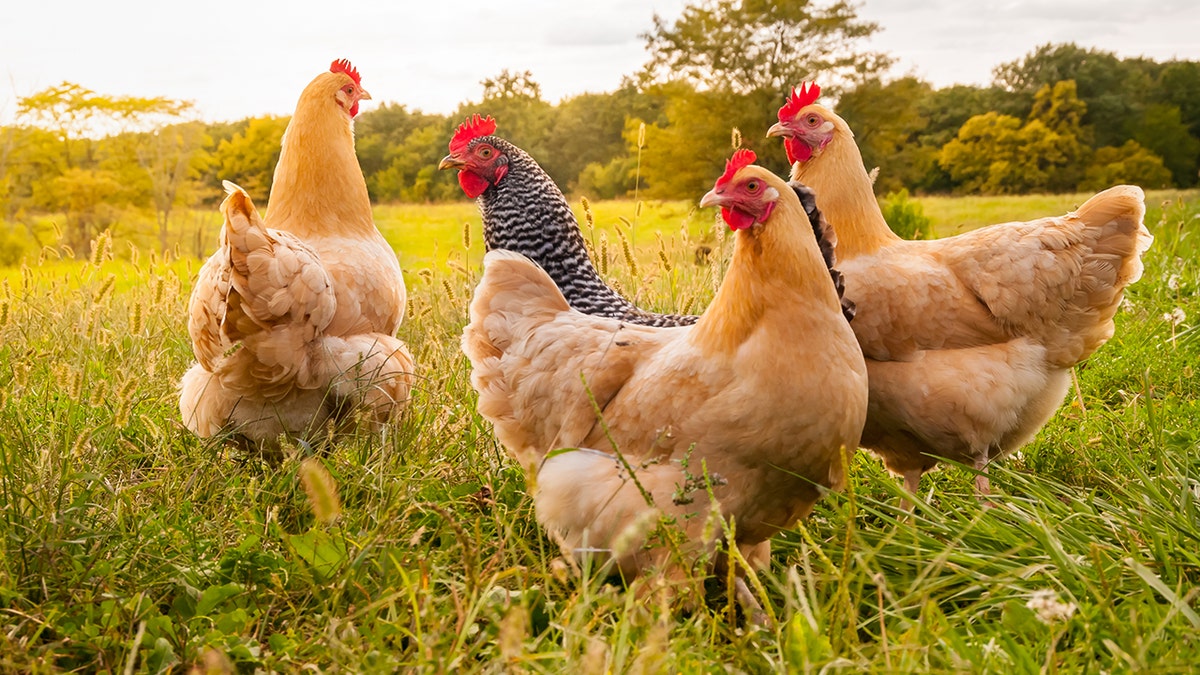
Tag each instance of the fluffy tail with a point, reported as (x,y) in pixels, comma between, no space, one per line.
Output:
(514,297)
(280,301)
(1119,213)
(1117,238)
(371,372)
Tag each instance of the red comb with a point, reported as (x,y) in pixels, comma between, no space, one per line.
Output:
(809,92)
(740,159)
(471,129)
(343,66)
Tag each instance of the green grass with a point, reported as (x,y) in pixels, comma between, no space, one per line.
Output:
(125,542)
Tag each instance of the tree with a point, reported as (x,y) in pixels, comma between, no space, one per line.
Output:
(684,154)
(1130,163)
(88,199)
(522,117)
(411,174)
(79,114)
(887,122)
(1111,88)
(746,46)
(589,129)
(172,159)
(378,132)
(1162,131)
(249,157)
(1179,83)
(996,154)
(1061,111)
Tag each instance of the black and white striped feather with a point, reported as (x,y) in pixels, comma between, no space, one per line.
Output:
(527,213)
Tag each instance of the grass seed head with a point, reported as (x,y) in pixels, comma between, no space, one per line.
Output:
(105,289)
(627,250)
(663,258)
(513,628)
(449,288)
(587,212)
(135,318)
(321,490)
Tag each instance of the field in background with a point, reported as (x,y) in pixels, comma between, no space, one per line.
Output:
(126,544)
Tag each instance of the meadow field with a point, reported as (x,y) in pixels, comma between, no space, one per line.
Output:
(129,545)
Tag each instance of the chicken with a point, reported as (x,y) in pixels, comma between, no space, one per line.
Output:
(969,340)
(760,398)
(524,211)
(293,326)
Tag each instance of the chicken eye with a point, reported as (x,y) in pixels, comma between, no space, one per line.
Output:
(349,89)
(484,151)
(752,186)
(813,120)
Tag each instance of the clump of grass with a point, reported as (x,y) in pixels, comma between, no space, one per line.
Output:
(905,216)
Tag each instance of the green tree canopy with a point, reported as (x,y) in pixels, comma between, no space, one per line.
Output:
(887,120)
(249,157)
(744,46)
(1111,88)
(1130,163)
(996,154)
(1161,130)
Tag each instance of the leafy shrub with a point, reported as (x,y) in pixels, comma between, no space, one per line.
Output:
(1130,163)
(905,216)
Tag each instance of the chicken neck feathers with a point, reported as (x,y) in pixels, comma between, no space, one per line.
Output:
(318,189)
(527,213)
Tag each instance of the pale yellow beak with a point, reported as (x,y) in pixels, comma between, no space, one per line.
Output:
(363,94)
(711,198)
(450,162)
(779,129)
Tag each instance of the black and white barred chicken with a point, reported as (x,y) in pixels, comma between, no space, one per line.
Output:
(524,211)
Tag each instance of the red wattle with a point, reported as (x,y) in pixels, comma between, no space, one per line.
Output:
(737,220)
(472,183)
(796,150)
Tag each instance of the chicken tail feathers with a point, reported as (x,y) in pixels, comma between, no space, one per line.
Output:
(1114,239)
(826,240)
(1119,212)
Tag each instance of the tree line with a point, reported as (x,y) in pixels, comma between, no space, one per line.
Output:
(1062,118)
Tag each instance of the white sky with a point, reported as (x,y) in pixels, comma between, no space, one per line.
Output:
(251,58)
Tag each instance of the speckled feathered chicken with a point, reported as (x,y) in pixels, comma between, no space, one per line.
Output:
(293,326)
(524,211)
(970,339)
(765,392)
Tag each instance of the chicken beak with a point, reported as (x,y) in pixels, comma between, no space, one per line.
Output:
(450,162)
(711,199)
(779,129)
(364,95)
